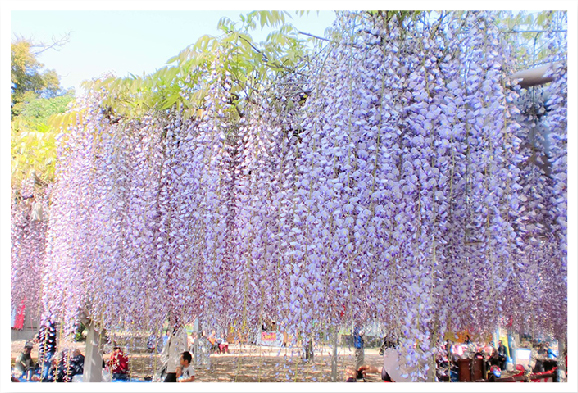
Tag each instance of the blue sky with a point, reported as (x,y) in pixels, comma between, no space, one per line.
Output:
(129,41)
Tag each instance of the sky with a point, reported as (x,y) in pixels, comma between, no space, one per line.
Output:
(125,42)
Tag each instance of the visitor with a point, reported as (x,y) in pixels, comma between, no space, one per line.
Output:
(358,343)
(191,342)
(166,338)
(390,372)
(176,345)
(204,348)
(468,340)
(76,363)
(538,356)
(502,355)
(62,372)
(353,375)
(118,364)
(151,343)
(186,372)
(24,364)
(492,359)
(213,340)
(223,345)
(308,348)
(47,346)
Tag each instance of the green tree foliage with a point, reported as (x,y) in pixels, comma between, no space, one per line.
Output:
(36,96)
(532,34)
(251,64)
(28,77)
(34,141)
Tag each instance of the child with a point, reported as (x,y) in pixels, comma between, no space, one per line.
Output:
(186,373)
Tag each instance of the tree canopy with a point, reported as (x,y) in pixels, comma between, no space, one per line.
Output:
(29,79)
(36,96)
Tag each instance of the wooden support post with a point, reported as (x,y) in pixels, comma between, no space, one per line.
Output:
(561,377)
(334,358)
(196,344)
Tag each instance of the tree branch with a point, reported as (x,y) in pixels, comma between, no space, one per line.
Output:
(314,36)
(56,43)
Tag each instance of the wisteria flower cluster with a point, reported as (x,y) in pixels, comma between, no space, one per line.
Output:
(399,192)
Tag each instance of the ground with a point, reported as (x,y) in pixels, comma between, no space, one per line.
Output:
(252,364)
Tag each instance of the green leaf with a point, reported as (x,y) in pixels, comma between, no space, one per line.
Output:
(263,15)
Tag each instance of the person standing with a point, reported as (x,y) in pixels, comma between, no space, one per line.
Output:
(307,347)
(502,355)
(358,343)
(204,349)
(166,338)
(176,345)
(47,346)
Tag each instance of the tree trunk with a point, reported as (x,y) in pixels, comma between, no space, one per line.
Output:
(93,358)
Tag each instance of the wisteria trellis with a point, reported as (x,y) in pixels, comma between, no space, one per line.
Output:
(401,191)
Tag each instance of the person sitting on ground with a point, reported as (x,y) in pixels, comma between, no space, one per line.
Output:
(542,354)
(361,373)
(24,364)
(63,367)
(151,343)
(537,358)
(76,363)
(186,372)
(479,352)
(391,371)
(118,364)
(392,367)
(223,345)
(213,340)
